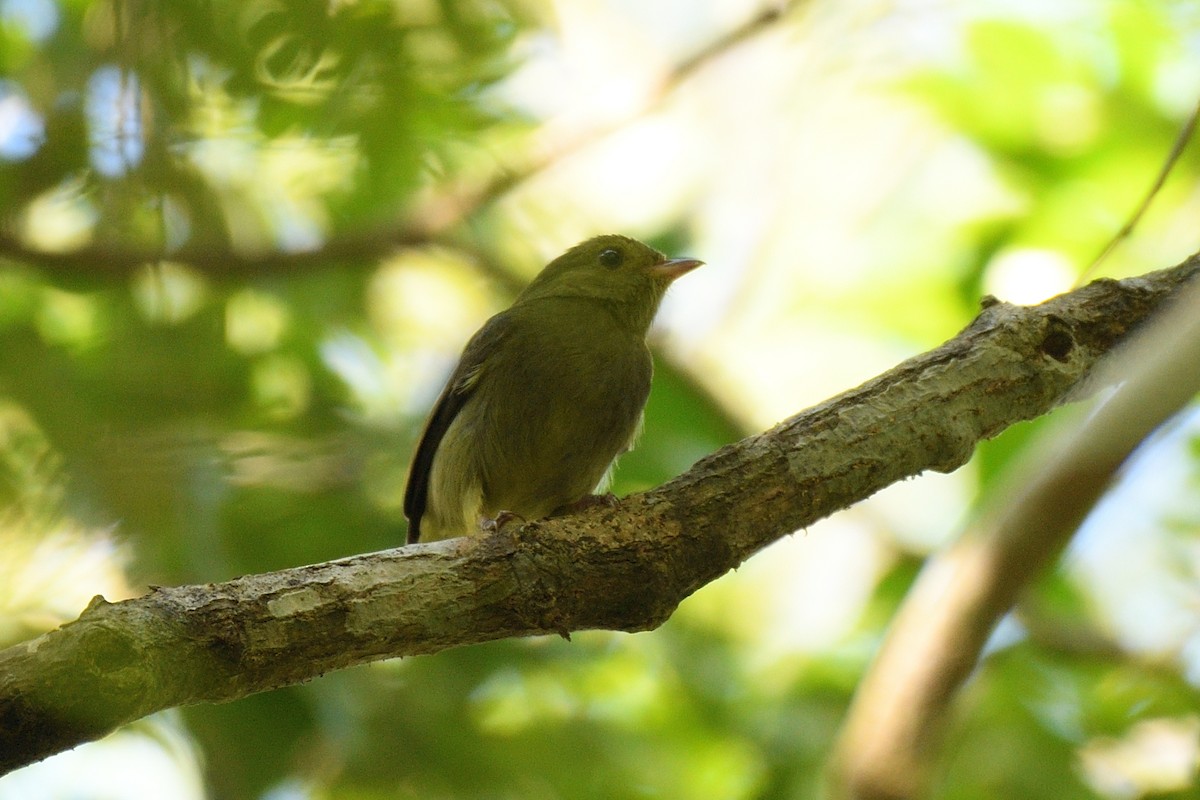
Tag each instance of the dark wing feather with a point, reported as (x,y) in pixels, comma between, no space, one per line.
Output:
(458,390)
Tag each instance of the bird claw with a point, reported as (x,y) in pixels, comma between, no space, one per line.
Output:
(495,525)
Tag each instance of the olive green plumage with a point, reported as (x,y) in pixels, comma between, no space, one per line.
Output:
(546,394)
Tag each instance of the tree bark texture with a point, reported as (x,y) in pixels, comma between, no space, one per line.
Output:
(621,568)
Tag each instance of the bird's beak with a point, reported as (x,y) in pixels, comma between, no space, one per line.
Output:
(674,267)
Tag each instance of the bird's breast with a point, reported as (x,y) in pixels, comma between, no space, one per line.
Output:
(572,405)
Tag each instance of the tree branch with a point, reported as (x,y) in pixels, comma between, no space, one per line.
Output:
(623,568)
(888,745)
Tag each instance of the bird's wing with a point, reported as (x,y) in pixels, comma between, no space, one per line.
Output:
(458,390)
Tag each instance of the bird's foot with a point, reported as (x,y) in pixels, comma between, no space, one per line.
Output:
(495,524)
(608,499)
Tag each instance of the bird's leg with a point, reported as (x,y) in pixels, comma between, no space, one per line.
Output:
(494,525)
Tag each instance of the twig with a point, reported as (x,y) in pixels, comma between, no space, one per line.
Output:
(1181,142)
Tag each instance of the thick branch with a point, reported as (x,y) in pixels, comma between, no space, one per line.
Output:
(623,568)
(891,734)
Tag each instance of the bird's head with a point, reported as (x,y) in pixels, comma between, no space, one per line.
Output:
(617,270)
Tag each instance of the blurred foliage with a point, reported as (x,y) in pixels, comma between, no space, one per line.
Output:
(258,124)
(224,408)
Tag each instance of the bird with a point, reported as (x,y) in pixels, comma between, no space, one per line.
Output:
(545,396)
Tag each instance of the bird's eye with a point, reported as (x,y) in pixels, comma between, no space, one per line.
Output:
(611,258)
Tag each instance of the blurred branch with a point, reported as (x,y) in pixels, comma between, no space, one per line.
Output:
(436,214)
(624,568)
(213,259)
(890,738)
(1081,641)
(448,209)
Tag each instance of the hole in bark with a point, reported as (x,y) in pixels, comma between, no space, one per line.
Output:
(1058,344)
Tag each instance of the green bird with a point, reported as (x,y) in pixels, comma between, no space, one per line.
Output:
(546,394)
